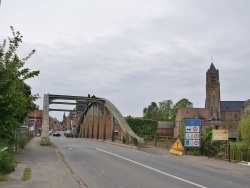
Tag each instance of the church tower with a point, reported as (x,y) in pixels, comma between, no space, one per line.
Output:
(213,92)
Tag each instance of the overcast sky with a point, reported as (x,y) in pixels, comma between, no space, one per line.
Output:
(133,52)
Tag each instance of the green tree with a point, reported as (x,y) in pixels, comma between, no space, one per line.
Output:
(152,112)
(165,109)
(180,104)
(16,99)
(208,133)
(245,128)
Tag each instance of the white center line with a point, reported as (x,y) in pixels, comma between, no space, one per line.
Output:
(161,172)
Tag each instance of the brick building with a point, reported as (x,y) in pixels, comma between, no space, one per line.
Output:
(165,129)
(34,121)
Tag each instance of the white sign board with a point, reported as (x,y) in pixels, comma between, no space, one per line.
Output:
(192,136)
(191,129)
(192,143)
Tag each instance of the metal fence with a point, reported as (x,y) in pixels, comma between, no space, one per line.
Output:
(223,151)
(219,150)
(239,155)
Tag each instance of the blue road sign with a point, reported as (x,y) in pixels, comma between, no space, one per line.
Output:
(192,133)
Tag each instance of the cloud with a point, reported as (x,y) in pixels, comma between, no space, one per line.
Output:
(134,52)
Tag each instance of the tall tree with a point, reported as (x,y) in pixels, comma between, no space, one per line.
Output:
(181,103)
(16,99)
(165,109)
(152,112)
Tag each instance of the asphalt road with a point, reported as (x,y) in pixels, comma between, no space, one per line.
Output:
(102,165)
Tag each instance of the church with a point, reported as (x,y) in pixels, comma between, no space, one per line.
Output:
(221,114)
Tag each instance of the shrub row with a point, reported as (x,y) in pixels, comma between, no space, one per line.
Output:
(142,127)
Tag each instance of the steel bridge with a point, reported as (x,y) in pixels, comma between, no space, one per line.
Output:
(97,118)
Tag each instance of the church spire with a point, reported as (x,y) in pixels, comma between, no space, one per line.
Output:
(212,68)
(213,91)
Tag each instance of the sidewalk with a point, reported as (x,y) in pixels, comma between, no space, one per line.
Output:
(47,170)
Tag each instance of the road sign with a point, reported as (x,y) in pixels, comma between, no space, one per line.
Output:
(192,143)
(177,145)
(192,136)
(192,122)
(176,152)
(190,129)
(192,132)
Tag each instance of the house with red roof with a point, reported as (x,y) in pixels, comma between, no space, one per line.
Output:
(34,121)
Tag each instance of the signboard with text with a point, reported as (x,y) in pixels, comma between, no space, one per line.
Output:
(220,134)
(192,133)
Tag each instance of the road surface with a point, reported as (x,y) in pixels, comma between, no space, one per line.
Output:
(102,165)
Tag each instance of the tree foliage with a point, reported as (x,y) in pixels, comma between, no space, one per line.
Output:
(245,129)
(16,99)
(152,112)
(166,111)
(180,104)
(165,108)
(142,127)
(208,133)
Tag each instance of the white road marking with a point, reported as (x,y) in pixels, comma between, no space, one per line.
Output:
(161,172)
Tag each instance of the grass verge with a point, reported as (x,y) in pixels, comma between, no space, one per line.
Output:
(26,174)
(3,177)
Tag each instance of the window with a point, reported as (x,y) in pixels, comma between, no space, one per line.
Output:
(222,116)
(32,122)
(213,79)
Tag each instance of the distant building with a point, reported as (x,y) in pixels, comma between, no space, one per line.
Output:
(165,129)
(34,121)
(189,113)
(221,114)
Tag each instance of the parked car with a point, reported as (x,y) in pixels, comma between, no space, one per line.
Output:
(68,134)
(56,134)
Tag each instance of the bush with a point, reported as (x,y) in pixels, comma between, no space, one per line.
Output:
(239,145)
(7,163)
(3,177)
(23,141)
(142,127)
(193,151)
